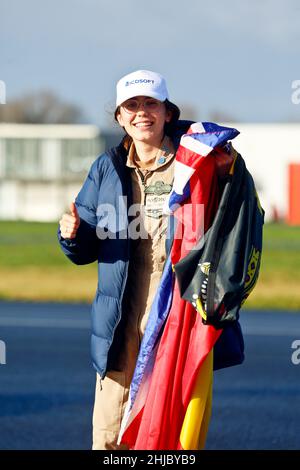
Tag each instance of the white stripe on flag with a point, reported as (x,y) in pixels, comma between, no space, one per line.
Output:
(190,143)
(198,127)
(133,408)
(182,174)
(166,209)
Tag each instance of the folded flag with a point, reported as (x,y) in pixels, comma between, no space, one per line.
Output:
(173,375)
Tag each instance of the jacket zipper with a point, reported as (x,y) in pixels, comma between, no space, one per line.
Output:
(143,180)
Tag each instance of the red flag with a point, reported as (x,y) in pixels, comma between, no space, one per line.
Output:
(185,342)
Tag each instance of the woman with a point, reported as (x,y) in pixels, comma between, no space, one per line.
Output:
(145,159)
(118,220)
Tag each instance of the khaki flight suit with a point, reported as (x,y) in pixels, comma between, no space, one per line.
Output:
(150,189)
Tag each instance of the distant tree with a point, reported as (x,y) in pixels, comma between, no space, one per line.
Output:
(221,116)
(43,107)
(187,111)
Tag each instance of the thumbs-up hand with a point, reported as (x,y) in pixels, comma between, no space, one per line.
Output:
(69,223)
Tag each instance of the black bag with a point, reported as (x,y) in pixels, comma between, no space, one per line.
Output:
(218,275)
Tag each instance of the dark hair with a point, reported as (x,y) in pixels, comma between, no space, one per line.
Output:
(169,126)
(175,111)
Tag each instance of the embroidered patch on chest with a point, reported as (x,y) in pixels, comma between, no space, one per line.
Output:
(158,188)
(156,195)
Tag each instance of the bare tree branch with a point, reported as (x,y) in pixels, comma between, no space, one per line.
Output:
(43,107)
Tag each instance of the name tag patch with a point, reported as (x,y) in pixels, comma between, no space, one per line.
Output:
(156,195)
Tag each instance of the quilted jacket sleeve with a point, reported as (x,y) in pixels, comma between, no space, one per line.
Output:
(83,249)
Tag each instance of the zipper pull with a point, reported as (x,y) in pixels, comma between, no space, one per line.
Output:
(100,383)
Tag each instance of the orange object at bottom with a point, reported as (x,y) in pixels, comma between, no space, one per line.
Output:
(293,217)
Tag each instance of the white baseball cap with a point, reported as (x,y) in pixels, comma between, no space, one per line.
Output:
(141,83)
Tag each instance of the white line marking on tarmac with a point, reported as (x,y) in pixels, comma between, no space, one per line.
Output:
(268,331)
(45,323)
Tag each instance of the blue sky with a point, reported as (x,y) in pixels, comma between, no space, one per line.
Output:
(236,57)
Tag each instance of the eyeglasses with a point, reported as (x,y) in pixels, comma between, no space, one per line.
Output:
(149,104)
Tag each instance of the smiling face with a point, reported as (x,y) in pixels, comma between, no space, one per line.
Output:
(144,118)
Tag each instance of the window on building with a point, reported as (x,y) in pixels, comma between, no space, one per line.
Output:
(77,155)
(23,158)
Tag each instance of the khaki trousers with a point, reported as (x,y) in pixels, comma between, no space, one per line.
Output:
(110,401)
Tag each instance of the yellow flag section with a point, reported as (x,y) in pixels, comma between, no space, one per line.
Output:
(195,425)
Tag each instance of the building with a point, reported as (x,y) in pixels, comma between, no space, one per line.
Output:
(42,167)
(269,150)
